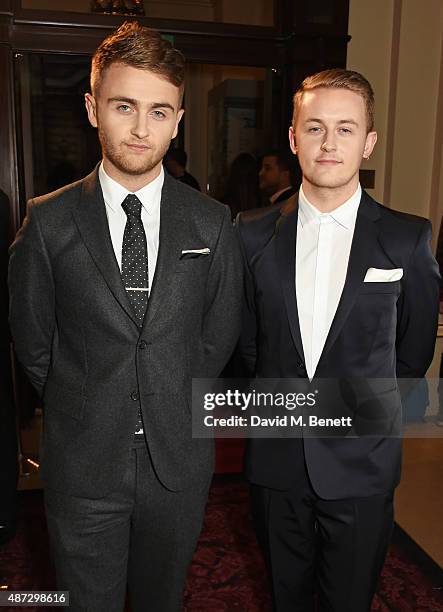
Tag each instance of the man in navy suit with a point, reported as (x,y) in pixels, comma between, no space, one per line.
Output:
(343,292)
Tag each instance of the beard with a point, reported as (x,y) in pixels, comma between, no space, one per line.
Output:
(127,162)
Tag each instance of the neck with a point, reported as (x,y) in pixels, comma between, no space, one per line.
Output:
(327,199)
(131,182)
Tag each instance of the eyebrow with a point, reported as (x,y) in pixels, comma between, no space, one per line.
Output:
(314,120)
(134,102)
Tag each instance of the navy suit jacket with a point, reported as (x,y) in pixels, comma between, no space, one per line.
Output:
(382,331)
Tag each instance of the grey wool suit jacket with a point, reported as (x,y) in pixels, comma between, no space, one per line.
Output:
(75,333)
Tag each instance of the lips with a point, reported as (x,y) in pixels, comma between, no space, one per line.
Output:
(328,162)
(137,147)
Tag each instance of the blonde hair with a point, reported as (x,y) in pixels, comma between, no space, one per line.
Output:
(338,78)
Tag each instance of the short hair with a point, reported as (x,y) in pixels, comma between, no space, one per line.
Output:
(178,155)
(286,161)
(338,78)
(139,47)
(283,158)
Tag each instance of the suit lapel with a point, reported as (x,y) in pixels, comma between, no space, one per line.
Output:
(171,239)
(90,217)
(285,251)
(364,242)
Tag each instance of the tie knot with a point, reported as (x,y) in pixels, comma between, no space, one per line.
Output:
(132,206)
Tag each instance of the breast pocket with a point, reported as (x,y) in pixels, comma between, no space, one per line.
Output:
(193,265)
(383,287)
(376,305)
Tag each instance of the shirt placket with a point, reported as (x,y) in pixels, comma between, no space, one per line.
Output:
(321,289)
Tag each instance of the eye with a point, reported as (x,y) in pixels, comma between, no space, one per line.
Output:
(314,130)
(123,108)
(345,130)
(159,114)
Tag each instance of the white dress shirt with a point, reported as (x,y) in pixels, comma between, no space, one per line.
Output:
(321,263)
(149,196)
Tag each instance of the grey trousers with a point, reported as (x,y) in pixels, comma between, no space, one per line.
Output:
(142,536)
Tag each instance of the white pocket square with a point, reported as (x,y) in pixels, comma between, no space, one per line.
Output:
(205,251)
(378,275)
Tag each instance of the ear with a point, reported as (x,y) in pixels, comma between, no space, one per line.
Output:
(91,109)
(292,143)
(180,114)
(371,139)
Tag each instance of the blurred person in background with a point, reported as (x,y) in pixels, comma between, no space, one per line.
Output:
(242,187)
(175,162)
(279,176)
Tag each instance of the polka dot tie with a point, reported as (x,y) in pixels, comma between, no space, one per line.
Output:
(135,258)
(135,268)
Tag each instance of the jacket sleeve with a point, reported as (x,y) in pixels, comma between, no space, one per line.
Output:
(247,345)
(417,319)
(221,324)
(32,300)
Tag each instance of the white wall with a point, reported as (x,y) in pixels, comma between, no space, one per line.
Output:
(371,55)
(416,108)
(397,45)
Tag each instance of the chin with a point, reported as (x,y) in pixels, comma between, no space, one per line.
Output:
(329,182)
(135,169)
(139,170)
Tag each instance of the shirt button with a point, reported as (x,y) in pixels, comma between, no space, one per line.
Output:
(142,344)
(134,396)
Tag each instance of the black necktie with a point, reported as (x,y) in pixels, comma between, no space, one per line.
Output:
(135,258)
(135,267)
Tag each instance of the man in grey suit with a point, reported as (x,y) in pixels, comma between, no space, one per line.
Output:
(112,347)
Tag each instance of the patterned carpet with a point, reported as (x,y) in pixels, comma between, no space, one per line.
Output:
(227,573)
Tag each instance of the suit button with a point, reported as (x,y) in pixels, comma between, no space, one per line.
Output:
(134,396)
(142,344)
(300,364)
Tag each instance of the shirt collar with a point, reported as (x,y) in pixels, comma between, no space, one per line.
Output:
(114,193)
(345,214)
(276,195)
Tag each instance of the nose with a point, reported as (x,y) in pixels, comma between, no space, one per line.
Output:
(140,127)
(328,143)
